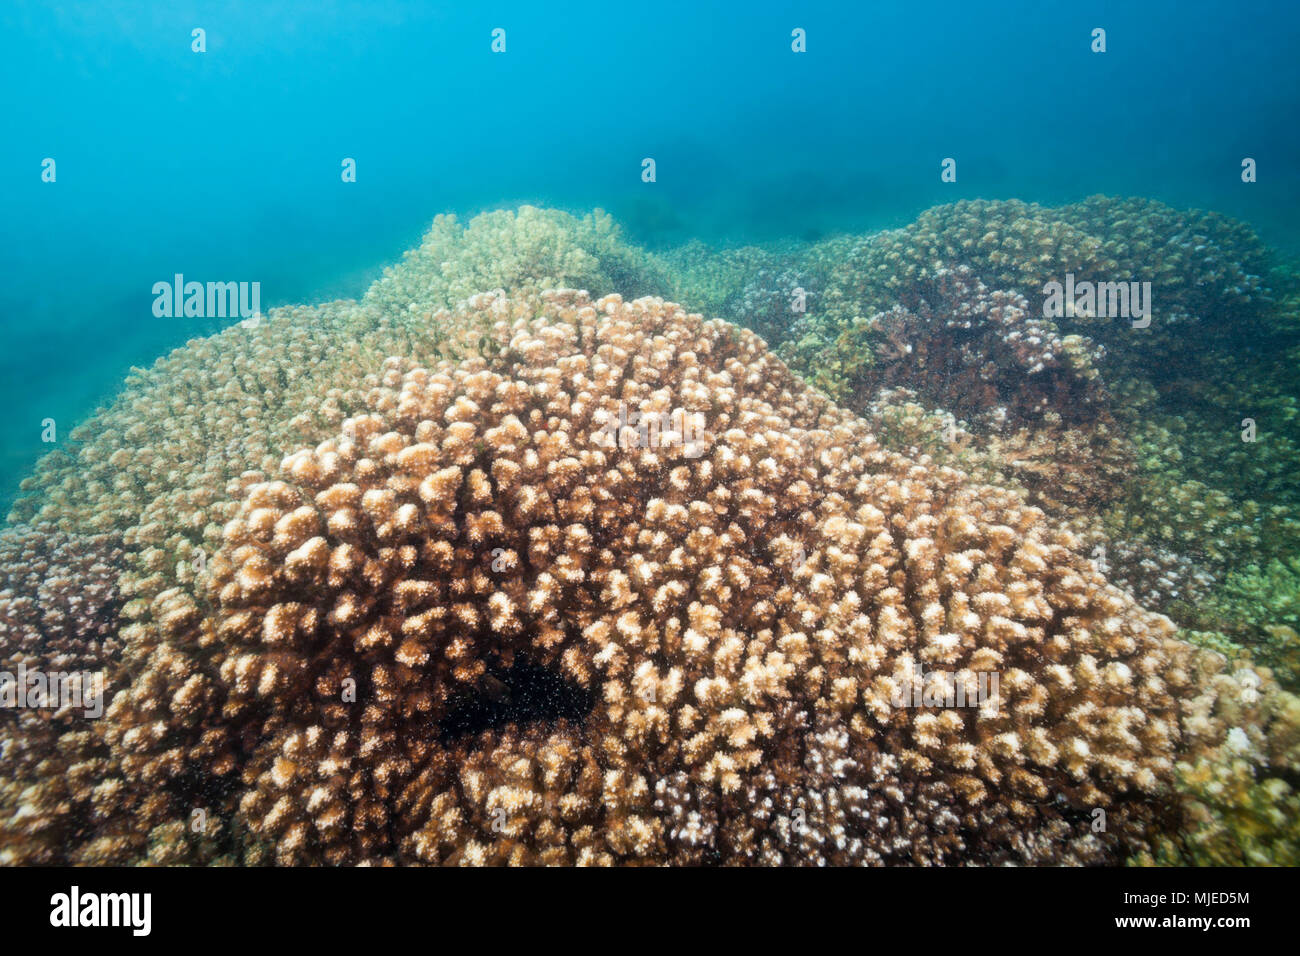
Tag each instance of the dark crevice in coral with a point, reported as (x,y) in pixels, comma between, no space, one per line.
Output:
(1288,775)
(523,694)
(200,789)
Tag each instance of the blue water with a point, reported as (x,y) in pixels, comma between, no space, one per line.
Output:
(225,165)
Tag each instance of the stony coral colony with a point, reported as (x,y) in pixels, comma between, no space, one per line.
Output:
(370,584)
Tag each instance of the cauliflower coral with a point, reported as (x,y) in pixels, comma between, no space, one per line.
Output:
(357,675)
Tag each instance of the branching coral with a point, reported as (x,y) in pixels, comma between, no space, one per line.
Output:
(399,591)
(1156,471)
(1015,379)
(58,616)
(774,303)
(737,624)
(1197,262)
(1260,608)
(1239,813)
(528,249)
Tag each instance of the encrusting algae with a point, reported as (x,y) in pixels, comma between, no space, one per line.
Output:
(388,537)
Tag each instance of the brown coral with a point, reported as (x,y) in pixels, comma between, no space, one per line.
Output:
(1030,393)
(58,616)
(732,632)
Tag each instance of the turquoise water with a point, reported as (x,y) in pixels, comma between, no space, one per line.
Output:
(225,165)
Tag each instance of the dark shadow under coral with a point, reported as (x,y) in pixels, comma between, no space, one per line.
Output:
(523,695)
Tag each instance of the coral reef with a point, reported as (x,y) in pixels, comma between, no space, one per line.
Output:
(58,615)
(709,277)
(734,627)
(1013,380)
(755,287)
(530,249)
(1151,464)
(1238,814)
(1208,270)
(58,598)
(773,303)
(1259,607)
(542,576)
